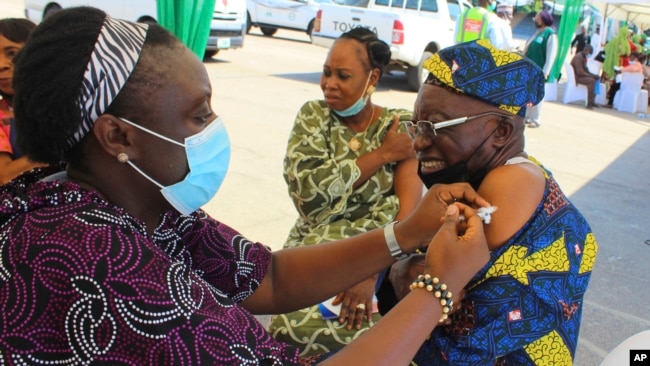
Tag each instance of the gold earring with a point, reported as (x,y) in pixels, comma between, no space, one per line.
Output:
(371,89)
(122,157)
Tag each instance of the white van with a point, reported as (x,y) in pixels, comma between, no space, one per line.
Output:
(226,31)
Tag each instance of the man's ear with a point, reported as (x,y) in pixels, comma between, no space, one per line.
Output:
(113,135)
(505,130)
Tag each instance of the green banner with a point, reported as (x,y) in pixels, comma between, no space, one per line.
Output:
(189,20)
(570,16)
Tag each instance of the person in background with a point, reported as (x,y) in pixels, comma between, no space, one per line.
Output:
(13,34)
(633,48)
(110,260)
(616,50)
(595,41)
(480,22)
(634,66)
(584,76)
(349,170)
(580,41)
(643,59)
(505,10)
(541,48)
(525,306)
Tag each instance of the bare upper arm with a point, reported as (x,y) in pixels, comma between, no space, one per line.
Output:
(516,191)
(408,187)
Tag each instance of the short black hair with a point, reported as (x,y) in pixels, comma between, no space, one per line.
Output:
(48,77)
(378,51)
(16,29)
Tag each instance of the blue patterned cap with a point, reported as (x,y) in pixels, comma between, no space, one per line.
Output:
(504,79)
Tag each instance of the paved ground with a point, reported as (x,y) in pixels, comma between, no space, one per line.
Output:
(599,157)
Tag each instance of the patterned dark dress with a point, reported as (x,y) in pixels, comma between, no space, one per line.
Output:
(81,282)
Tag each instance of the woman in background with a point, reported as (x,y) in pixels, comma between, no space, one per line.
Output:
(349,170)
(13,34)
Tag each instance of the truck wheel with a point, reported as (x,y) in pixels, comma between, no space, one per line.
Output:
(210,54)
(249,24)
(310,28)
(268,31)
(416,74)
(51,9)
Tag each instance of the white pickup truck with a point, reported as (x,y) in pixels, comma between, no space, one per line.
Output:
(414,29)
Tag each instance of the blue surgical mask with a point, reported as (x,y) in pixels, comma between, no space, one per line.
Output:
(358,106)
(632,62)
(208,156)
(492,7)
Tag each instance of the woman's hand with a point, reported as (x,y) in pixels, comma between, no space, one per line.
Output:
(356,303)
(396,146)
(456,259)
(420,227)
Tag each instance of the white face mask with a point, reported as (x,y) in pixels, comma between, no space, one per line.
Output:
(632,62)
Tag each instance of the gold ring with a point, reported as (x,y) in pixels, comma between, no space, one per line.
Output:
(361,306)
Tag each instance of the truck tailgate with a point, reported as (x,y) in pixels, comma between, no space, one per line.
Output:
(338,19)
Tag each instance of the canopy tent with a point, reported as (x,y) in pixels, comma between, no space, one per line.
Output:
(189,20)
(635,11)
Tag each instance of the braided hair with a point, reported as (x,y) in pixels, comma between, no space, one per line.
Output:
(48,81)
(378,51)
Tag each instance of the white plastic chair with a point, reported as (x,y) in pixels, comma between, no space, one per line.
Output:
(550,92)
(594,66)
(573,92)
(627,97)
(642,103)
(621,354)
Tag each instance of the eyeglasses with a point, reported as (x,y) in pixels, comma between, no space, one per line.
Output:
(421,127)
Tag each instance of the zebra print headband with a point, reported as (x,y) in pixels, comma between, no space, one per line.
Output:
(112,61)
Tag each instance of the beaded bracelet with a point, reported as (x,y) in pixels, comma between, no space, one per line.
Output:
(432,284)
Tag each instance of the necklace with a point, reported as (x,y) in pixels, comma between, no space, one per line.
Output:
(355,144)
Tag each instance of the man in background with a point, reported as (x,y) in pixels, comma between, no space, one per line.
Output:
(541,48)
(583,76)
(481,22)
(580,40)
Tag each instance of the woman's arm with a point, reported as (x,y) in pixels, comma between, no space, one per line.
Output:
(400,333)
(302,276)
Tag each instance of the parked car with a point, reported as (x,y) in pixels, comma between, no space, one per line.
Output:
(226,31)
(269,15)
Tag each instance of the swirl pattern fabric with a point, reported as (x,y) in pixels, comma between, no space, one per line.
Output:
(112,61)
(320,170)
(501,78)
(524,307)
(81,282)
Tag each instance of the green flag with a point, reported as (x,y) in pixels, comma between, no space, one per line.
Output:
(570,17)
(189,20)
